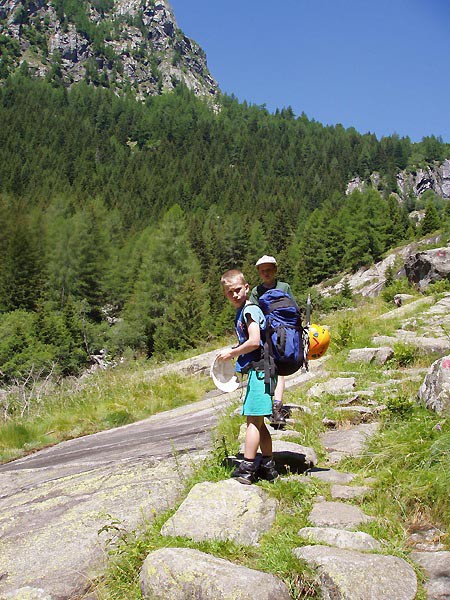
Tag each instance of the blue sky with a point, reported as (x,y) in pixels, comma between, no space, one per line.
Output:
(377,65)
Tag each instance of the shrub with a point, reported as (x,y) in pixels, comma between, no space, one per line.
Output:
(399,286)
(404,355)
(438,287)
(344,334)
(400,406)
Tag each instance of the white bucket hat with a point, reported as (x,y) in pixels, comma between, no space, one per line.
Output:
(224,375)
(266,260)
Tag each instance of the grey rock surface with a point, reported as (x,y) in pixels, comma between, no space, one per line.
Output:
(436,566)
(144,39)
(183,573)
(226,510)
(336,386)
(347,492)
(350,575)
(59,498)
(27,593)
(350,540)
(434,392)
(338,515)
(347,442)
(331,475)
(378,355)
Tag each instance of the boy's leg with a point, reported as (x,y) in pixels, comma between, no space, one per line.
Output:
(246,471)
(278,417)
(267,468)
(253,437)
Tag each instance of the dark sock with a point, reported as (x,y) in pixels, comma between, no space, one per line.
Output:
(252,460)
(266,459)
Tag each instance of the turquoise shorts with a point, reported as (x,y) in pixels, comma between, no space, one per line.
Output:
(258,401)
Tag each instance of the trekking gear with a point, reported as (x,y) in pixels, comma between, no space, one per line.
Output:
(245,472)
(267,470)
(283,330)
(283,347)
(319,340)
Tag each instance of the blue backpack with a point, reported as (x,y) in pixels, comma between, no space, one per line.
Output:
(283,339)
(284,331)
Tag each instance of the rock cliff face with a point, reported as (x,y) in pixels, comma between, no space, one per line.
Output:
(122,44)
(436,178)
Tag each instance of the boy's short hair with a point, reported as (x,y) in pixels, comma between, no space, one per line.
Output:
(231,277)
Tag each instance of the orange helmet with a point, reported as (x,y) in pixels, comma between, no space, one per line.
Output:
(319,340)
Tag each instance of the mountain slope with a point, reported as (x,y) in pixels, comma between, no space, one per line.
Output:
(129,45)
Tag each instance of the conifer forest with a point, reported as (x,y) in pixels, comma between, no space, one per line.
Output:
(118,216)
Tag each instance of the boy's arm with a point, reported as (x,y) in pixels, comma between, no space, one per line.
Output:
(254,338)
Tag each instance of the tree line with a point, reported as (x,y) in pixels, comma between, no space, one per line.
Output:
(119,216)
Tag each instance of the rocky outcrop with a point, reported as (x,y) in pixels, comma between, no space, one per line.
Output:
(433,177)
(435,389)
(132,44)
(370,281)
(423,268)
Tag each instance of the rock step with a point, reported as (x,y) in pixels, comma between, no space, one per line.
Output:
(338,515)
(360,576)
(180,573)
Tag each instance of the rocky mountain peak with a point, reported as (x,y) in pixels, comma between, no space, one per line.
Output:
(123,44)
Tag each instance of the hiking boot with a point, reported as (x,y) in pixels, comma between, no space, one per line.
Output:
(245,472)
(277,418)
(267,470)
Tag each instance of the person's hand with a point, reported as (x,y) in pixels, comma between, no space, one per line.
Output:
(225,354)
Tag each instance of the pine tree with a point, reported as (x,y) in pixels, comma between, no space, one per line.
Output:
(431,221)
(168,261)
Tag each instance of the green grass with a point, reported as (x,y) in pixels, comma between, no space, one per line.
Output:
(105,400)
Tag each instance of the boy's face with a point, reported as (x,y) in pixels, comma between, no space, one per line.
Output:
(236,293)
(268,273)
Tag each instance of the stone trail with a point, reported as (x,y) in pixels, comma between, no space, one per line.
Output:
(350,564)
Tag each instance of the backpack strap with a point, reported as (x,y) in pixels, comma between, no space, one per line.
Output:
(266,363)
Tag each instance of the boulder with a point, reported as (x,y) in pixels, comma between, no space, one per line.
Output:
(340,538)
(423,268)
(338,515)
(350,575)
(434,392)
(437,569)
(378,355)
(226,510)
(181,573)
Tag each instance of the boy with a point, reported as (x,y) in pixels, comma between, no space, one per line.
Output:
(267,269)
(249,322)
